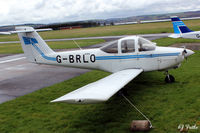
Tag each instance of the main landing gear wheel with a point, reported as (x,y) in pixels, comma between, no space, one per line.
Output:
(169,78)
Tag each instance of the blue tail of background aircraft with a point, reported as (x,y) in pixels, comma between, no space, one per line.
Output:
(179,26)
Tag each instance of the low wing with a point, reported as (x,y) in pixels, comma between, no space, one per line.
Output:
(102,89)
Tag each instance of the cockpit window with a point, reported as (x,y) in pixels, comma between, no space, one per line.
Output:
(145,45)
(128,46)
(111,48)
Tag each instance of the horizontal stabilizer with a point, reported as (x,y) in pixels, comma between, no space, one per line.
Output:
(175,36)
(100,90)
(4,33)
(29,31)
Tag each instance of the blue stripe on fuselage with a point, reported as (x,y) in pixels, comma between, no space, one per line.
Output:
(43,55)
(135,56)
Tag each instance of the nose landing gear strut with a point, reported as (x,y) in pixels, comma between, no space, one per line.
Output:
(169,78)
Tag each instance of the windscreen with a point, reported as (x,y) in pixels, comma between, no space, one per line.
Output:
(111,47)
(146,45)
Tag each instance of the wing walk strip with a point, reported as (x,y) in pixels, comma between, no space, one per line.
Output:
(102,89)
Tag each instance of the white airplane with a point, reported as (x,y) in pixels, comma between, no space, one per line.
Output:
(181,30)
(125,58)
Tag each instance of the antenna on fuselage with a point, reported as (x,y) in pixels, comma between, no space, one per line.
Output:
(77,44)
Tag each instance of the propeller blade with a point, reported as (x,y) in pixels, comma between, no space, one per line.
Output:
(184,52)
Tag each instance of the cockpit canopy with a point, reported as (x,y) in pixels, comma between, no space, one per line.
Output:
(111,47)
(129,45)
(145,45)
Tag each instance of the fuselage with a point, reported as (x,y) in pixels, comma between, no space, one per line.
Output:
(162,58)
(191,35)
(127,53)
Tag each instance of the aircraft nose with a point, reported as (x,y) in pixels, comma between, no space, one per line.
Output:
(189,52)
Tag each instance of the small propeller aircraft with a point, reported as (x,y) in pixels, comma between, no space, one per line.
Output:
(181,30)
(125,58)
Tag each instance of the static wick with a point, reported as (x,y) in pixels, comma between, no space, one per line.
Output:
(77,44)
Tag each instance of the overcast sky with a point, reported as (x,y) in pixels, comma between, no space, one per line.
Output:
(48,11)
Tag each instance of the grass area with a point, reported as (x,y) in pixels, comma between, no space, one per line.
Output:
(167,105)
(171,41)
(16,48)
(10,48)
(146,28)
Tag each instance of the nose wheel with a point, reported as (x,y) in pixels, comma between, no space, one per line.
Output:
(169,78)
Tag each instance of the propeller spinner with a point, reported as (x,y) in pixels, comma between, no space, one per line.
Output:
(187,52)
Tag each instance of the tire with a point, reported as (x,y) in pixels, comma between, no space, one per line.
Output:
(169,79)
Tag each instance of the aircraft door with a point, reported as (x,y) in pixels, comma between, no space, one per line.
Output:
(126,55)
(146,52)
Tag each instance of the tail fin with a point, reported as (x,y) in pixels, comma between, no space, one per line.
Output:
(33,45)
(179,26)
